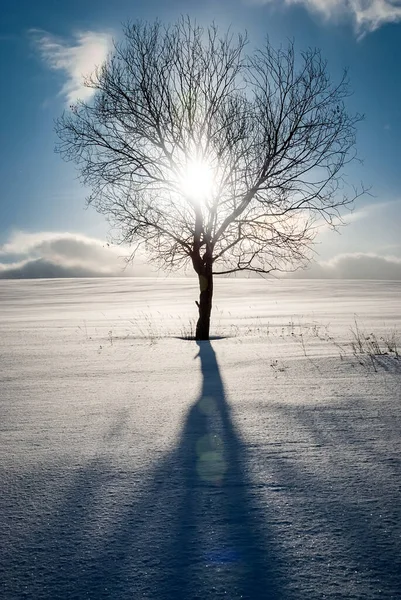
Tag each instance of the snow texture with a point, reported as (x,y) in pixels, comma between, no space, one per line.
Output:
(138,465)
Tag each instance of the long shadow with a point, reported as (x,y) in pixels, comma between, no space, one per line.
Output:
(190,527)
(221,536)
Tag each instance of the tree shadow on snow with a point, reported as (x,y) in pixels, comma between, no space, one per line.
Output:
(219,535)
(193,529)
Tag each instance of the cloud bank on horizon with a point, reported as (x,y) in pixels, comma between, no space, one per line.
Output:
(48,255)
(356,265)
(367,15)
(77,60)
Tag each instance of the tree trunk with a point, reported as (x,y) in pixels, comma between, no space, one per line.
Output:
(204,304)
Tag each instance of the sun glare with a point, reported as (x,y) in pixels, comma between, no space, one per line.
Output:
(197,181)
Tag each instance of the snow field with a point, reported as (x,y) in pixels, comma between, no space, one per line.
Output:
(137,465)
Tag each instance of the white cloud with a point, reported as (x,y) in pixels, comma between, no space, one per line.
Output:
(367,15)
(354,266)
(77,60)
(43,255)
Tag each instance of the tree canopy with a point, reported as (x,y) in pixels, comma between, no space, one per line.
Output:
(209,153)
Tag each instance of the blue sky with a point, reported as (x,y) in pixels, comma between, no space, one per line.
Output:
(44,44)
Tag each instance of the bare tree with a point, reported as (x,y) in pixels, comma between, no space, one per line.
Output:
(210,156)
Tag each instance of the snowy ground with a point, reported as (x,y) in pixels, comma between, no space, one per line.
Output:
(135,464)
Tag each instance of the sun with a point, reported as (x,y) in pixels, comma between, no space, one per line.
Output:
(197,181)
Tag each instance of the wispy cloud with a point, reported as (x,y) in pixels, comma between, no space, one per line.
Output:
(367,15)
(45,254)
(371,211)
(77,59)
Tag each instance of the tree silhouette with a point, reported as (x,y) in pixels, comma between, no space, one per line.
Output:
(211,156)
